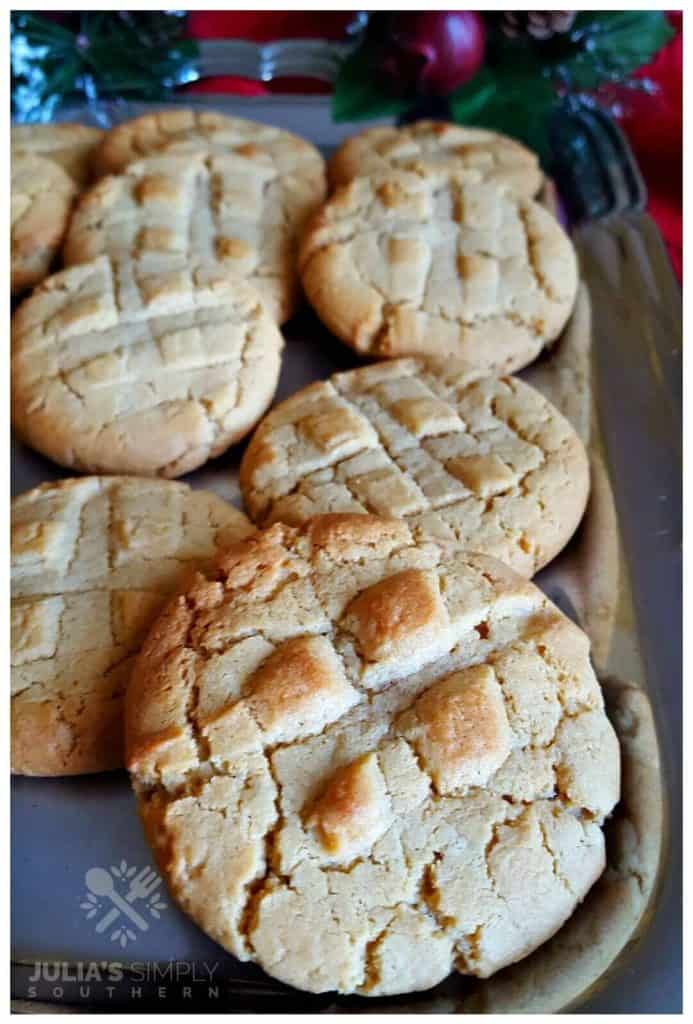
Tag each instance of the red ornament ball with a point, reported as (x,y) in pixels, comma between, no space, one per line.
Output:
(432,52)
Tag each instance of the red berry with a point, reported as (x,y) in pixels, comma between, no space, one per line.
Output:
(432,52)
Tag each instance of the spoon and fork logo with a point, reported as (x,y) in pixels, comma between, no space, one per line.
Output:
(111,895)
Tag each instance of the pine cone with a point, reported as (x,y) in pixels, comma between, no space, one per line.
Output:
(537,24)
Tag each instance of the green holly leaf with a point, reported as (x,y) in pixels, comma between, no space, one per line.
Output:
(516,94)
(610,45)
(357,93)
(469,100)
(515,102)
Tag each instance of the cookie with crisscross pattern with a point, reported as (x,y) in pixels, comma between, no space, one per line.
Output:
(180,130)
(69,145)
(494,157)
(93,561)
(41,198)
(429,263)
(180,207)
(486,461)
(125,367)
(364,761)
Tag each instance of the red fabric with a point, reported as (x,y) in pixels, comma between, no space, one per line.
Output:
(228,83)
(264,26)
(247,87)
(653,123)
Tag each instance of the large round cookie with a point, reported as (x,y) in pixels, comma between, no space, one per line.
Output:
(363,761)
(487,462)
(256,145)
(418,263)
(70,145)
(41,199)
(118,368)
(93,561)
(437,144)
(182,208)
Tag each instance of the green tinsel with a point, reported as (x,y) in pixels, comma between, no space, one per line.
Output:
(95,55)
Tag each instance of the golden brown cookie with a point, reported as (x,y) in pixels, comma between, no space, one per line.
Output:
(41,199)
(574,966)
(365,761)
(488,461)
(438,144)
(119,368)
(187,131)
(93,561)
(69,145)
(419,263)
(183,208)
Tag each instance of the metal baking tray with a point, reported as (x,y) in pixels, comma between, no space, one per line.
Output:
(61,828)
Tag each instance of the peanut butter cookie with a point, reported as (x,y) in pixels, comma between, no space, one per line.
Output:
(486,461)
(174,209)
(428,263)
(188,131)
(436,144)
(120,368)
(69,145)
(93,561)
(364,761)
(41,199)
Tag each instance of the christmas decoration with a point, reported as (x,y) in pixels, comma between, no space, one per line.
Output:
(434,51)
(522,80)
(537,24)
(403,56)
(96,55)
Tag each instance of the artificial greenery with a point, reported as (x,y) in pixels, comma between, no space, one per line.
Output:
(523,79)
(96,55)
(357,92)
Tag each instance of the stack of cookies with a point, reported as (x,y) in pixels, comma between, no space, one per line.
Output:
(367,750)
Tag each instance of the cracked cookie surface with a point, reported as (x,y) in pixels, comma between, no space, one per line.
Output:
(178,208)
(93,561)
(41,198)
(69,145)
(494,157)
(121,368)
(187,131)
(364,761)
(485,461)
(427,263)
